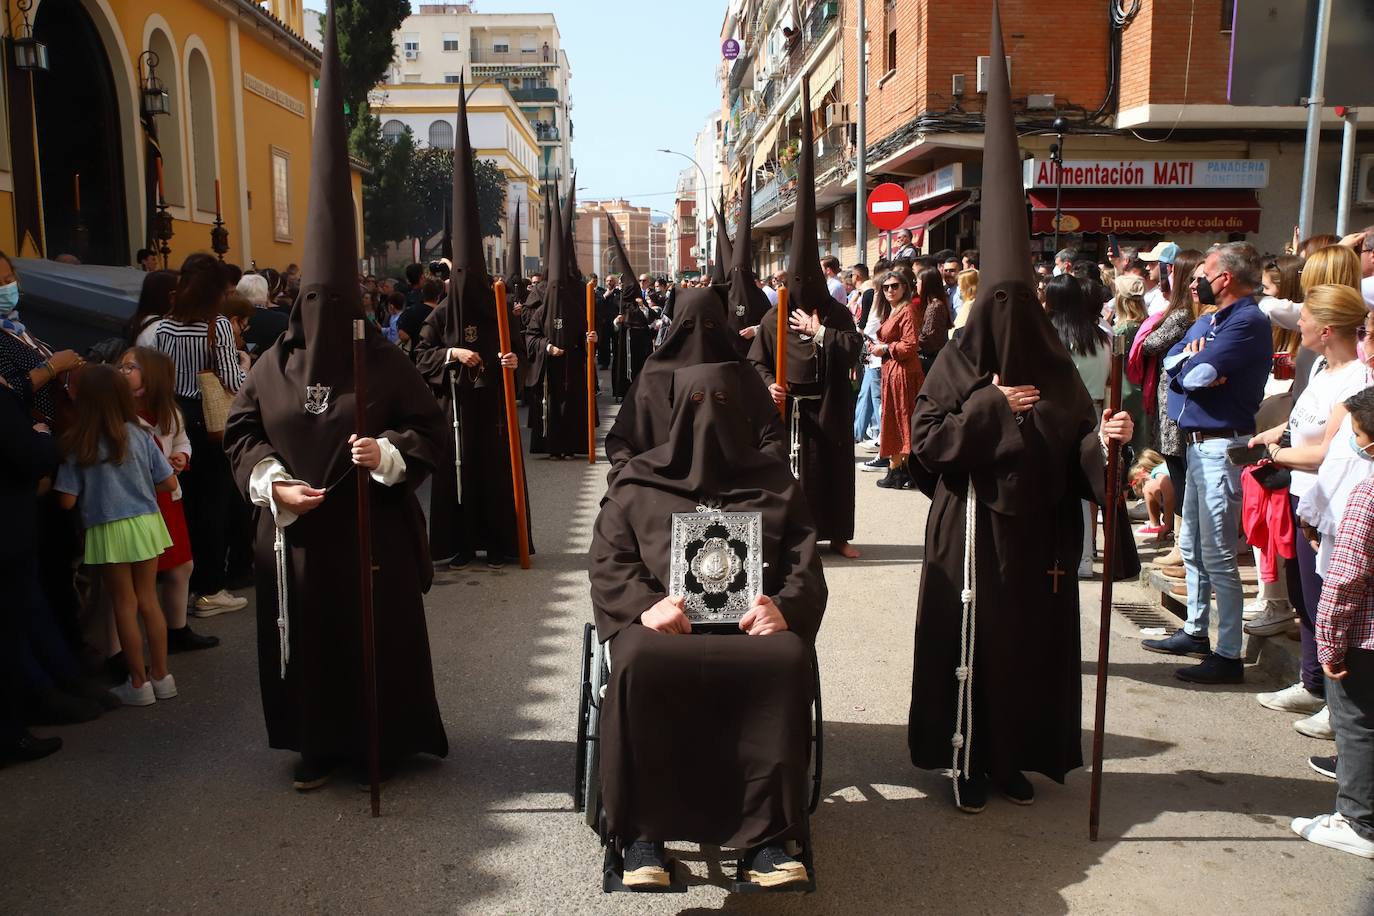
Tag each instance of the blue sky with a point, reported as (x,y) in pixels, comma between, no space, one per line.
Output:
(643,79)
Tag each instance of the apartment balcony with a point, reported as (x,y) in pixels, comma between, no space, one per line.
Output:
(515,57)
(547,133)
(549,172)
(739,69)
(535,95)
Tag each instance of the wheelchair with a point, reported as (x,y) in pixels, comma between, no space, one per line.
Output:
(596,672)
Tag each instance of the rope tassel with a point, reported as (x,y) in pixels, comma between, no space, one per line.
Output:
(962,740)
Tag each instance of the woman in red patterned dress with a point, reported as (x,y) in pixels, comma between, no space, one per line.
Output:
(898,345)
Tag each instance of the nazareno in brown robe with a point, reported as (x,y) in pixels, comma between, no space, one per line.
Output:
(699,335)
(819,389)
(317,708)
(473,399)
(705,738)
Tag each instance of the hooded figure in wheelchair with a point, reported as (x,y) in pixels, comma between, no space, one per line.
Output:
(708,593)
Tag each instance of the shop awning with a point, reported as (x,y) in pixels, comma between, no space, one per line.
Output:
(919,219)
(1161,212)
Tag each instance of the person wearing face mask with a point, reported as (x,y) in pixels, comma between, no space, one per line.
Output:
(1331,317)
(28,364)
(1217,374)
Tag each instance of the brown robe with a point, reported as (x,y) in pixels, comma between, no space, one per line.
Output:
(705,738)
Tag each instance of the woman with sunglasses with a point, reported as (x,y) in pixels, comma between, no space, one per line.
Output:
(898,346)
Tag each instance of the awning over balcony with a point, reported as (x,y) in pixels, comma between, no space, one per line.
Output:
(1162,212)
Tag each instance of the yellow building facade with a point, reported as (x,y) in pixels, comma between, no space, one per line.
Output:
(78,166)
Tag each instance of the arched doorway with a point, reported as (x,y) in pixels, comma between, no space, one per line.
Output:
(77,115)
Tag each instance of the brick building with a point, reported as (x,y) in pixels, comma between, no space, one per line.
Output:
(1152,148)
(596,251)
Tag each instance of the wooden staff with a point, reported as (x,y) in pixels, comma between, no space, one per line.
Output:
(780,349)
(517,454)
(591,375)
(1108,563)
(365,569)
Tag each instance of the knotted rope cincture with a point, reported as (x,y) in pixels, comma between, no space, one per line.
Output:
(283,615)
(963,674)
(794,453)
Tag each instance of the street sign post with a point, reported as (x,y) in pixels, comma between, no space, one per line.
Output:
(888,206)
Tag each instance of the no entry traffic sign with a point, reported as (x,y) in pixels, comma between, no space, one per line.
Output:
(888,206)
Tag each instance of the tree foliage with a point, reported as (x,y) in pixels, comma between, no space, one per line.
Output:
(365,30)
(387,202)
(431,190)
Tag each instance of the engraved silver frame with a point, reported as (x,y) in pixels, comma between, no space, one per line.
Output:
(690,528)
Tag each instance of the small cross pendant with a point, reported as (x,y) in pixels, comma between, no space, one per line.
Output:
(1054,574)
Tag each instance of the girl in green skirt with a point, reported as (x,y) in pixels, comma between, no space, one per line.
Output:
(114,471)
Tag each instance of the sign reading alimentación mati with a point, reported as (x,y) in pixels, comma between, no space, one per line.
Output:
(1122,174)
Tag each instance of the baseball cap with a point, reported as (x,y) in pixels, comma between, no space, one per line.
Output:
(1129,285)
(1163,251)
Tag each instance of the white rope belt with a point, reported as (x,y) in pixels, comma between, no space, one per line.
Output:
(794,452)
(961,740)
(283,615)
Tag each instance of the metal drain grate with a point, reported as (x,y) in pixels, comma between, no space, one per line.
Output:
(1145,615)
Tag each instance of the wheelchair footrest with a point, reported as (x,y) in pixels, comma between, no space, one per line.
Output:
(613,867)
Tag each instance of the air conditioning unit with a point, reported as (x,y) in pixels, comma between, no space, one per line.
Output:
(412,54)
(1364,184)
(836,113)
(983,63)
(844,216)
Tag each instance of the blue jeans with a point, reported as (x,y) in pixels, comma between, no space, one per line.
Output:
(870,398)
(1211,520)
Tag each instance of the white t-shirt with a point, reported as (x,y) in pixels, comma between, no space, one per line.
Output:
(770,294)
(871,332)
(1367,289)
(1307,422)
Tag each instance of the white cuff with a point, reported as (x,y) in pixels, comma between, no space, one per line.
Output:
(392,470)
(267,472)
(820,336)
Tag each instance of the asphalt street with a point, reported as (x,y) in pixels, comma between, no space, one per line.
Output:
(182,807)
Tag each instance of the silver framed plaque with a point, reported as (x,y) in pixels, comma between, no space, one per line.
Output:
(717,564)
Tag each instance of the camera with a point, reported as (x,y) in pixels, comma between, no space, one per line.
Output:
(438,269)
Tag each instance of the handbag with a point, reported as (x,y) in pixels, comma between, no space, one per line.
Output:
(214,398)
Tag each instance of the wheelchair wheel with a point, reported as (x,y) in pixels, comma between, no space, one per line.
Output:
(591,752)
(817,738)
(583,708)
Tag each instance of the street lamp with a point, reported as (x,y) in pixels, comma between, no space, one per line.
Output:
(29,53)
(1057,158)
(154,99)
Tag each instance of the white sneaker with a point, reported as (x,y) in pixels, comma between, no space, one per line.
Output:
(221,602)
(1292,699)
(130,695)
(1085,568)
(1254,610)
(164,689)
(1334,832)
(1316,726)
(871,445)
(1275,617)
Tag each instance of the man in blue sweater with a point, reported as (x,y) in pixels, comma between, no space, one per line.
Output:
(1216,379)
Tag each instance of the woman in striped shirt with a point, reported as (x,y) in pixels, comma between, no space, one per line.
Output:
(198,337)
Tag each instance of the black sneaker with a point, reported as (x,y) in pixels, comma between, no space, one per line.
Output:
(1214,669)
(186,639)
(972,795)
(1018,789)
(311,773)
(644,866)
(1323,765)
(496,561)
(460,561)
(1180,643)
(771,866)
(878,463)
(27,748)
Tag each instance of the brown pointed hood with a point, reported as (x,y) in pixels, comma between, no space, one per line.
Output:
(470,311)
(805,281)
(321,326)
(565,312)
(629,280)
(745,303)
(720,269)
(1004,242)
(515,268)
(569,242)
(548,229)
